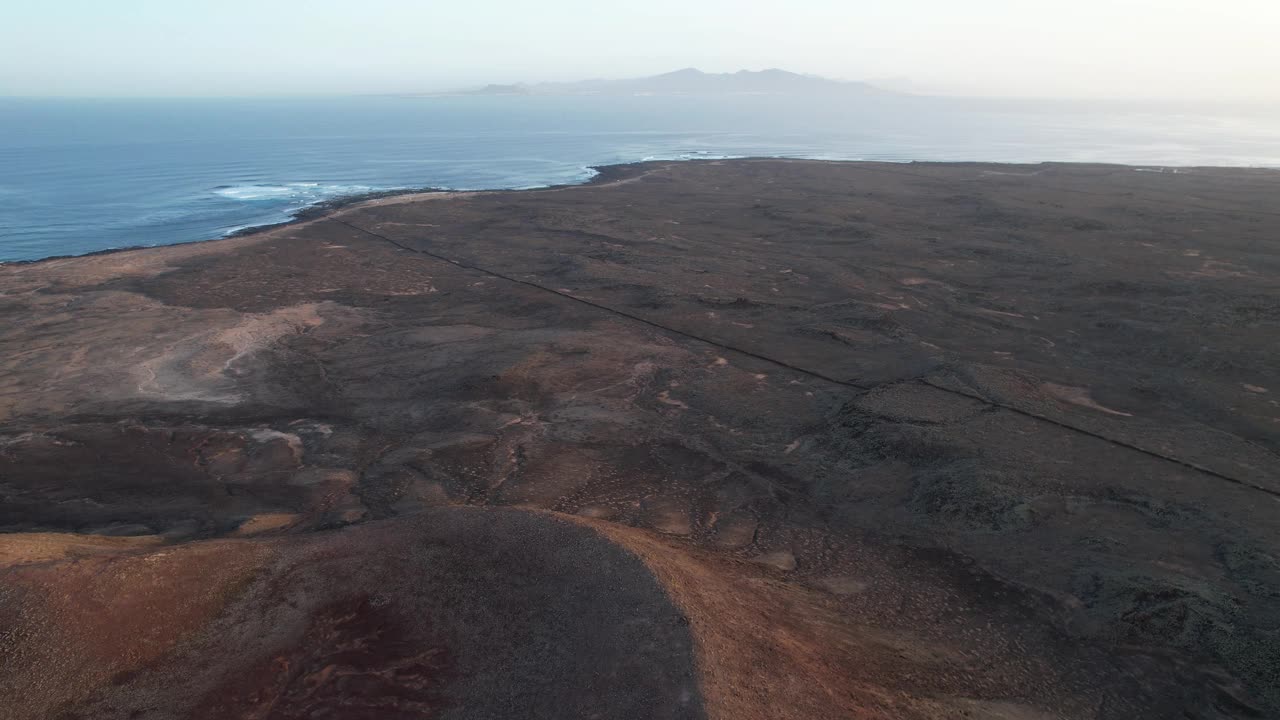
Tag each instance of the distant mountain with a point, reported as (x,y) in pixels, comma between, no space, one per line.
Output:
(691,81)
(514,89)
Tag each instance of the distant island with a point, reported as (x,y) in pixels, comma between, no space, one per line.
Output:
(689,81)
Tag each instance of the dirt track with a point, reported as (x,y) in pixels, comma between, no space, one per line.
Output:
(735,439)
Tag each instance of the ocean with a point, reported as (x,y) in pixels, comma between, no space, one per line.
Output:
(79,176)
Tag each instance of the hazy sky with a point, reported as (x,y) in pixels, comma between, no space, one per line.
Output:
(1221,49)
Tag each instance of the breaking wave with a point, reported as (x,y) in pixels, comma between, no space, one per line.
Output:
(302,192)
(694,155)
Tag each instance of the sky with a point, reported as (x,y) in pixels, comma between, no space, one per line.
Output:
(1227,50)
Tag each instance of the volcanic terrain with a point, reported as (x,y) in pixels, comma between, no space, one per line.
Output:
(717,439)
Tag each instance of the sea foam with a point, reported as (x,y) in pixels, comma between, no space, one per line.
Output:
(306,192)
(694,155)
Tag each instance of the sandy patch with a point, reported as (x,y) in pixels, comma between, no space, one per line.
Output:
(1078,396)
(205,366)
(783,560)
(668,515)
(265,523)
(665,398)
(22,548)
(735,531)
(842,584)
(291,441)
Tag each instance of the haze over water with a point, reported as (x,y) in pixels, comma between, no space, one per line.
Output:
(79,176)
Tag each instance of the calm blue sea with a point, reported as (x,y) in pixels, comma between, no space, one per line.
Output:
(83,175)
